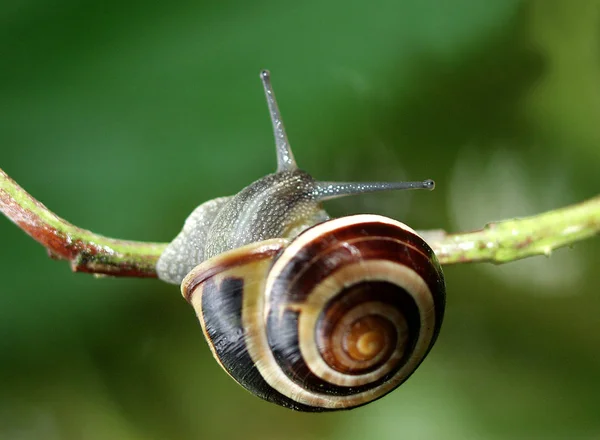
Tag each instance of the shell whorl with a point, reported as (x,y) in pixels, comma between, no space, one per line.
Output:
(337,318)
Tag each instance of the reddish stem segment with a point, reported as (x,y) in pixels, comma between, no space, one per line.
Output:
(85,250)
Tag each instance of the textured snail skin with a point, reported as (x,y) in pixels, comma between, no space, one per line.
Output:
(334,319)
(278,205)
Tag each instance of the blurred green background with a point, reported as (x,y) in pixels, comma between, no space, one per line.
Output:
(122,116)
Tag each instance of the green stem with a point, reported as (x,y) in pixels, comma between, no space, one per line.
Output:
(514,239)
(498,242)
(86,251)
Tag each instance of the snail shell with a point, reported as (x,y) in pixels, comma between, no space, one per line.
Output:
(335,319)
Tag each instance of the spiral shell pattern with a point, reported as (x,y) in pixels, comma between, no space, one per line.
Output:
(335,319)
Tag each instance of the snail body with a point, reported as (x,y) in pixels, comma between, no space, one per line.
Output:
(306,311)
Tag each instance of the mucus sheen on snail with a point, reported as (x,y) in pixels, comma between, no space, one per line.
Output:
(306,311)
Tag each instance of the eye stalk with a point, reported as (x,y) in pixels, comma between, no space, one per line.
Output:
(324,190)
(285,158)
(333,190)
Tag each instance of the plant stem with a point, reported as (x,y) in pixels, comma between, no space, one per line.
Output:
(514,239)
(498,242)
(85,250)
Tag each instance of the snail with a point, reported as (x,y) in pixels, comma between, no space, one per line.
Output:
(306,311)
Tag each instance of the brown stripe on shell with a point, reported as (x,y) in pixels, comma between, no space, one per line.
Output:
(237,257)
(347,237)
(369,229)
(306,271)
